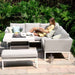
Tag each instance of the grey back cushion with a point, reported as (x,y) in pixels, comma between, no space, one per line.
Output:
(29,26)
(49,35)
(56,26)
(61,31)
(22,25)
(44,25)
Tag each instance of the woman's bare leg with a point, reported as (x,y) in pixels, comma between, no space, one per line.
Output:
(33,29)
(43,30)
(36,34)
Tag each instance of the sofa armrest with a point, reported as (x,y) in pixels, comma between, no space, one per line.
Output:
(57,44)
(6,30)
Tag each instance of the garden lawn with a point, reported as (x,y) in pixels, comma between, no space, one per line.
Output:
(1,35)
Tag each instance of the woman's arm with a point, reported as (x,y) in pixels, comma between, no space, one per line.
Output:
(50,28)
(43,30)
(33,29)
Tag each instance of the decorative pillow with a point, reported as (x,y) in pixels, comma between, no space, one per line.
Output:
(9,29)
(57,36)
(49,35)
(21,29)
(16,29)
(22,25)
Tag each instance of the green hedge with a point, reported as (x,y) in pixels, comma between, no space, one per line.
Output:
(73,48)
(1,35)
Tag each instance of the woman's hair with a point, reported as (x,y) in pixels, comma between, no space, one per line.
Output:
(52,20)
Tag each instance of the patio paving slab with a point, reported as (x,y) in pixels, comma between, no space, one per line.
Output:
(59,66)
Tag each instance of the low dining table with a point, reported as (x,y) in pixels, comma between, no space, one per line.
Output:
(8,38)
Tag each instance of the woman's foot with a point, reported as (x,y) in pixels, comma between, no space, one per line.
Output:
(36,34)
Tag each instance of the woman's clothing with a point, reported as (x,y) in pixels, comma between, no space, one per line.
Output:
(49,29)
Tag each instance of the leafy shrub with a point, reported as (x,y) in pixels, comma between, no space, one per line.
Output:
(1,35)
(32,11)
(72,32)
(73,48)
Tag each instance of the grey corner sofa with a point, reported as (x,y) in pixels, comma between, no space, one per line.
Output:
(49,45)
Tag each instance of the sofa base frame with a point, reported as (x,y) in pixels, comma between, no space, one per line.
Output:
(60,52)
(21,59)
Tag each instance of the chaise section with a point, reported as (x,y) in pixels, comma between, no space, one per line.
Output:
(57,46)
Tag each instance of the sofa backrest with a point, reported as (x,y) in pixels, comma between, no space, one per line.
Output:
(29,26)
(56,26)
(61,31)
(22,25)
(44,25)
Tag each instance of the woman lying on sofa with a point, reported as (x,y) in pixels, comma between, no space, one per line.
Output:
(41,31)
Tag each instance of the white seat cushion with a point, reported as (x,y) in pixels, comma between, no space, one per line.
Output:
(37,38)
(57,36)
(21,53)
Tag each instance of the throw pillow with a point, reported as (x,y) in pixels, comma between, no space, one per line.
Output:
(57,36)
(16,29)
(9,29)
(21,29)
(49,35)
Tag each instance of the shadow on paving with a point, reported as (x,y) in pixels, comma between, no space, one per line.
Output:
(73,63)
(17,63)
(0,64)
(56,55)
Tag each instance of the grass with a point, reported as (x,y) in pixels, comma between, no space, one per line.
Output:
(1,35)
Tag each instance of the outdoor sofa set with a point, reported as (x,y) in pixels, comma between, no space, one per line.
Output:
(54,43)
